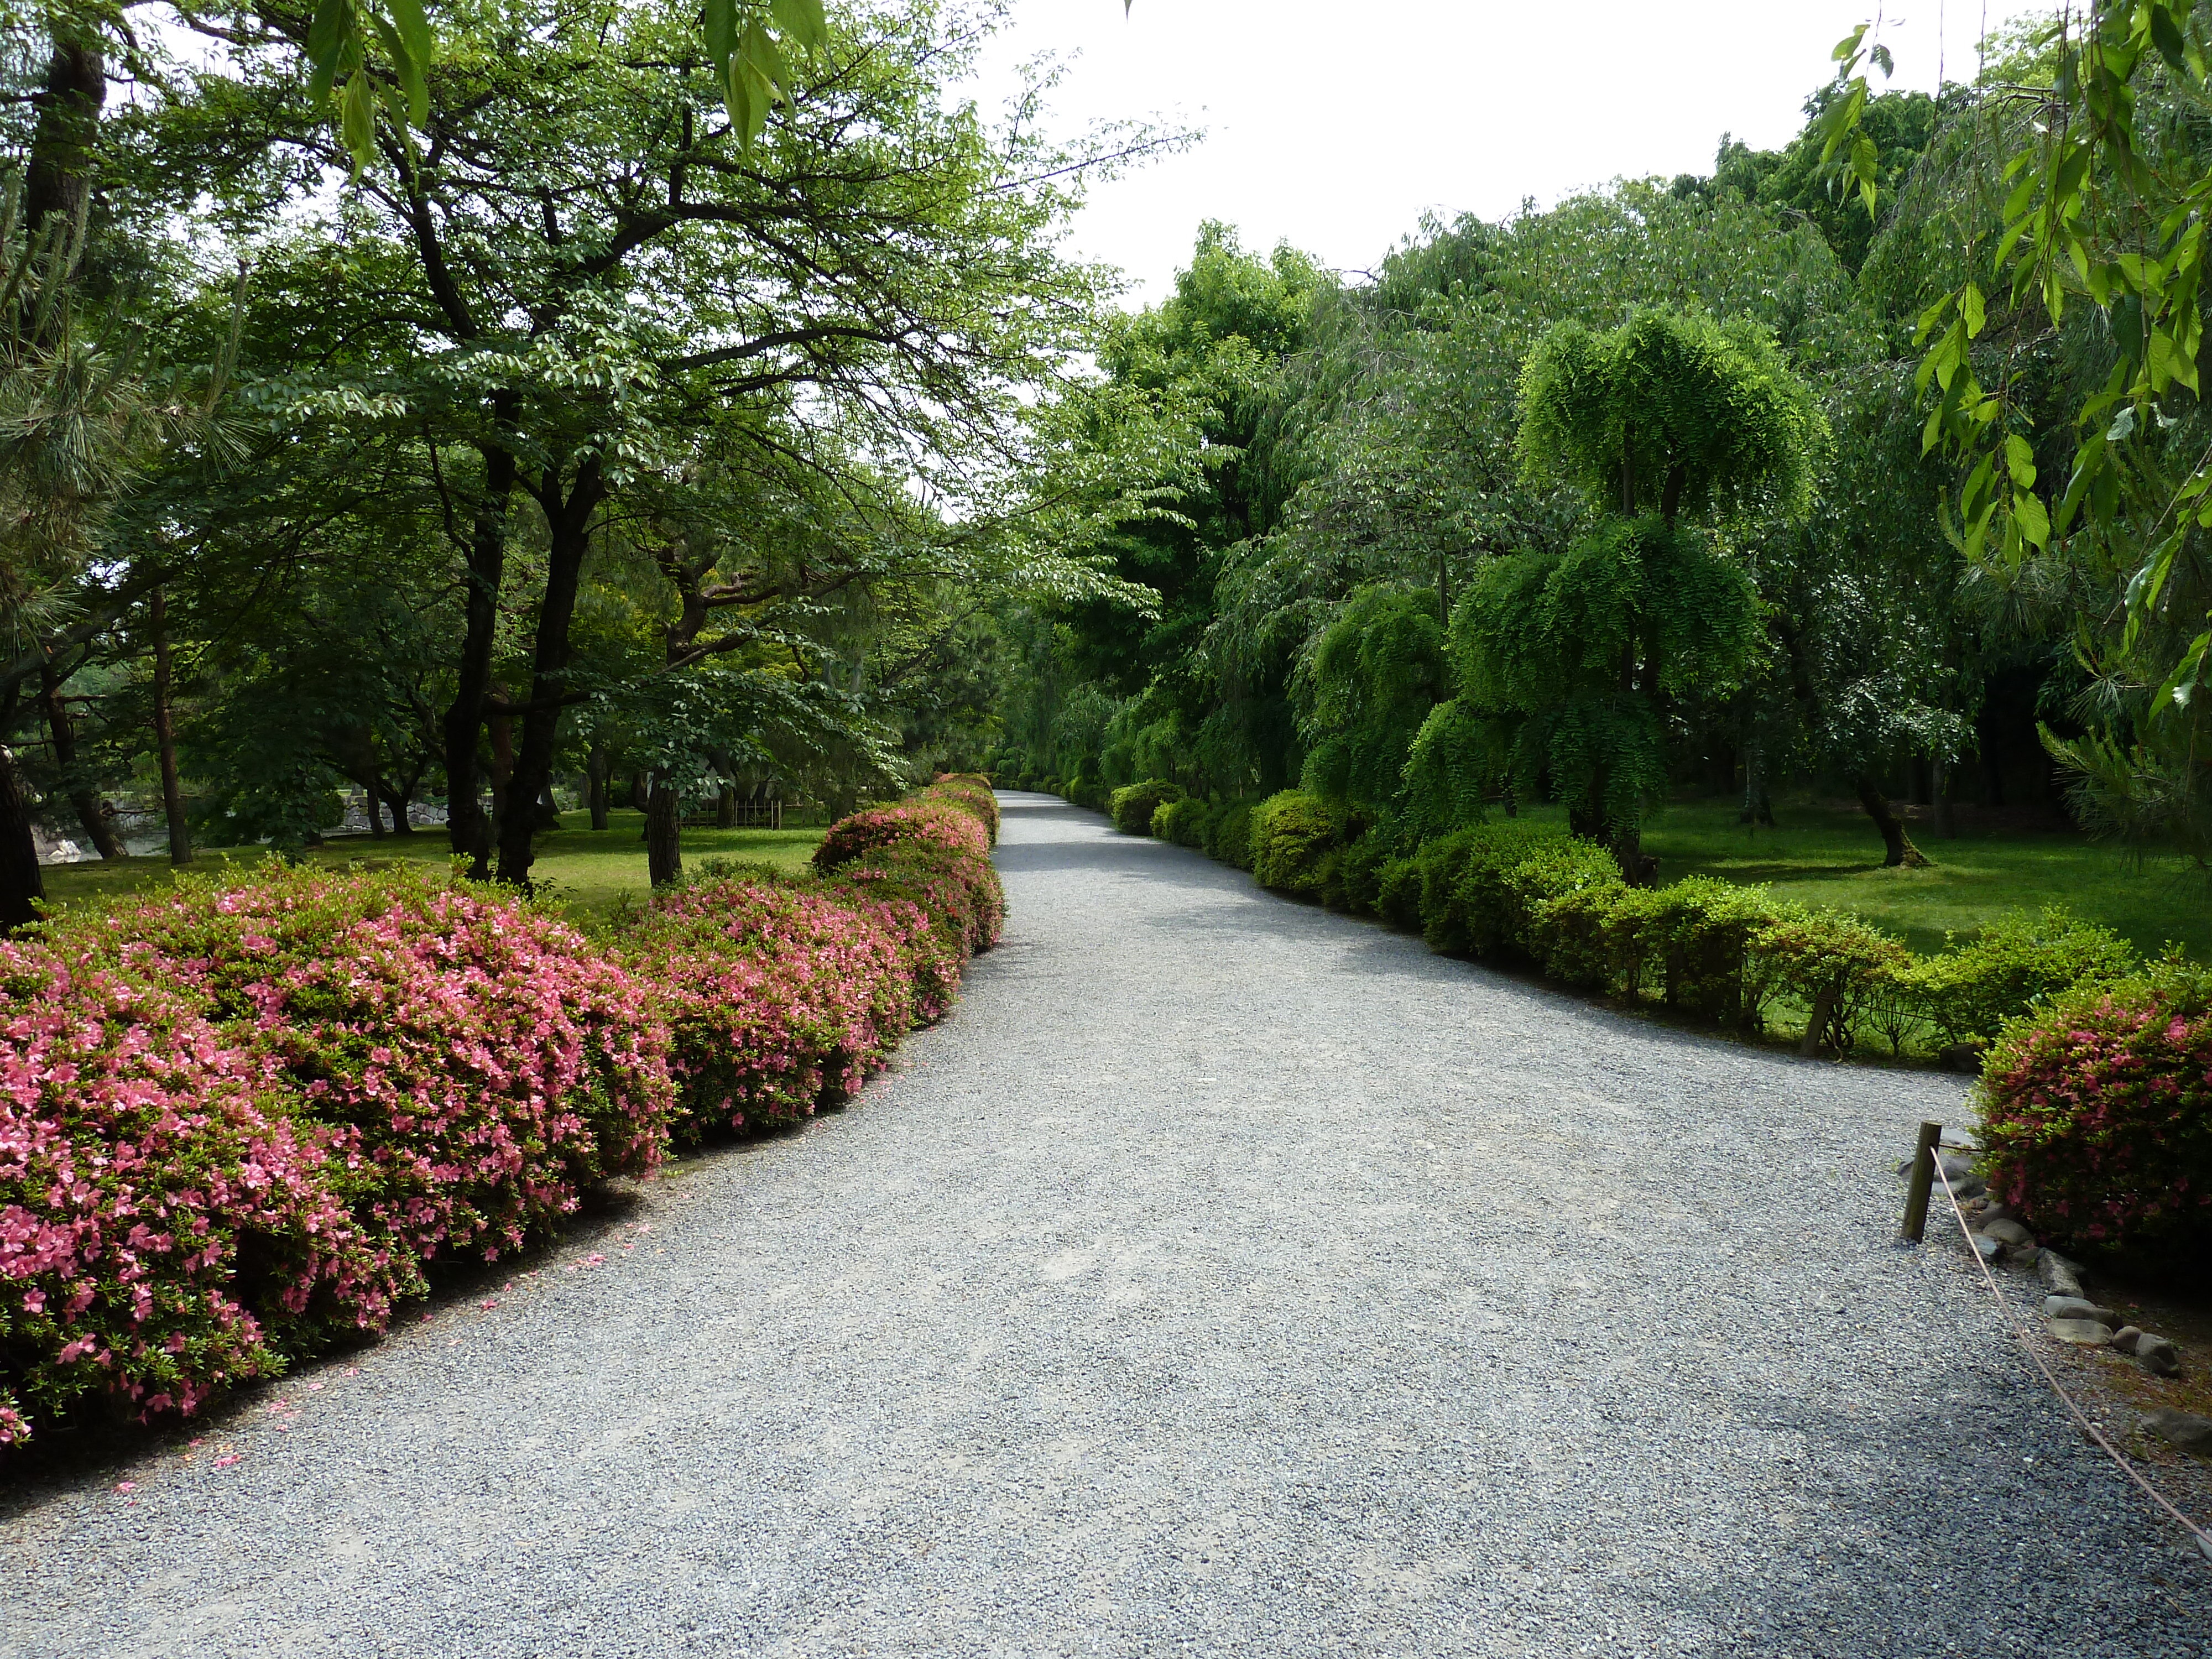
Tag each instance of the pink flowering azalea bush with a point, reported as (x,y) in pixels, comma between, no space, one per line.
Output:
(237,1120)
(778,997)
(159,1213)
(471,1061)
(2097,1116)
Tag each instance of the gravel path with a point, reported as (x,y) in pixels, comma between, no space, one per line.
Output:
(1223,1277)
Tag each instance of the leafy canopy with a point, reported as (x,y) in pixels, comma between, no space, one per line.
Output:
(1670,407)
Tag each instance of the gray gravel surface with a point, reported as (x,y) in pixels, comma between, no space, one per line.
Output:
(1223,1277)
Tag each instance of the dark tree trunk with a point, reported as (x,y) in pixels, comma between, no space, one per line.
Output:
(465,824)
(638,797)
(398,798)
(376,809)
(548,811)
(664,832)
(568,525)
(21,882)
(58,182)
(725,806)
(91,811)
(165,738)
(597,766)
(1897,847)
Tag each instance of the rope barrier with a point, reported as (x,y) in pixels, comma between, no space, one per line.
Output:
(2202,1539)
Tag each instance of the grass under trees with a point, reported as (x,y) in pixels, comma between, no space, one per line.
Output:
(588,870)
(1818,855)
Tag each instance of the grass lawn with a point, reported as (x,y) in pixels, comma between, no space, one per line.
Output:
(589,870)
(1821,855)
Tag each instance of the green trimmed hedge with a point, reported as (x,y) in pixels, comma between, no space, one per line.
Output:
(1133,805)
(1529,896)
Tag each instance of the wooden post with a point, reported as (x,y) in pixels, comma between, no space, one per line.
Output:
(1924,1178)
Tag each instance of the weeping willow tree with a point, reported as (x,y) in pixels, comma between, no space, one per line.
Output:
(1373,675)
(1670,424)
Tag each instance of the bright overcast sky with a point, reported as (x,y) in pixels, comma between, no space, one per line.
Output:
(1333,124)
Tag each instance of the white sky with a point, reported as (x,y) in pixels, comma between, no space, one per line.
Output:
(1335,123)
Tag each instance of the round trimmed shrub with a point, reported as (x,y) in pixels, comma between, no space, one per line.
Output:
(1182,822)
(1134,805)
(2097,1116)
(1294,839)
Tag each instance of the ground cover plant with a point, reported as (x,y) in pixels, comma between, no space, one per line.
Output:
(241,1119)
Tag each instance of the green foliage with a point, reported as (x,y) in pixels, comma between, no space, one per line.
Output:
(1376,673)
(1297,843)
(2013,963)
(1133,805)
(1672,411)
(1692,937)
(1182,822)
(1568,653)
(1229,833)
(1454,757)
(1832,963)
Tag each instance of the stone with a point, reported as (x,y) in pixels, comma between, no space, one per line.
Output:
(1987,1248)
(2007,1231)
(2076,1307)
(2157,1355)
(2083,1332)
(1964,1182)
(2126,1337)
(1962,1057)
(2060,1277)
(2183,1429)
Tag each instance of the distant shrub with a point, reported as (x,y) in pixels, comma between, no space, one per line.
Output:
(969,790)
(1971,990)
(1229,833)
(1182,822)
(1133,805)
(1439,864)
(1294,839)
(2097,1116)
(1398,892)
(1833,962)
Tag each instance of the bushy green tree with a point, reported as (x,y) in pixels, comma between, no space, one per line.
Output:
(1672,415)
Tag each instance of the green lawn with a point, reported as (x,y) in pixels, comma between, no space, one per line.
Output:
(588,870)
(1820,855)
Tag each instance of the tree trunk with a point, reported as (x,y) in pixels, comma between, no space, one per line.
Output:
(21,882)
(568,538)
(548,810)
(465,824)
(1824,1007)
(91,811)
(398,799)
(57,183)
(1897,846)
(376,809)
(596,768)
(165,738)
(1947,815)
(725,806)
(664,832)
(638,795)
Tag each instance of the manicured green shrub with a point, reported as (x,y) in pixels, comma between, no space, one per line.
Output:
(1505,889)
(1229,833)
(1398,892)
(1133,805)
(1296,844)
(1439,863)
(1182,822)
(1359,887)
(1971,990)
(1832,962)
(1691,937)
(2097,1116)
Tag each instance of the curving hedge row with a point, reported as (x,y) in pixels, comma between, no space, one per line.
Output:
(237,1121)
(2096,1092)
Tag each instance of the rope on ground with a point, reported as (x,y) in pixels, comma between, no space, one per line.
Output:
(2202,1539)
